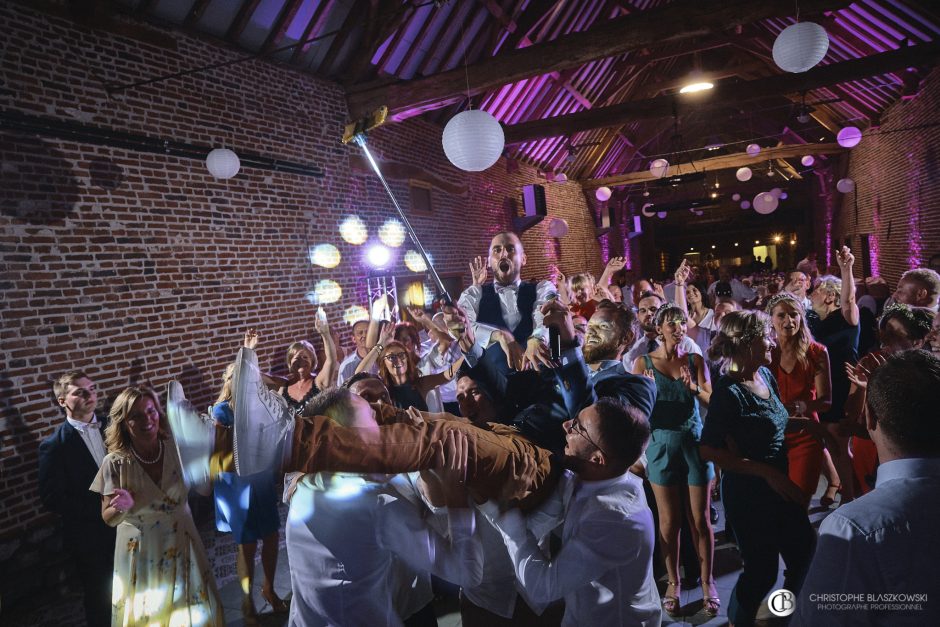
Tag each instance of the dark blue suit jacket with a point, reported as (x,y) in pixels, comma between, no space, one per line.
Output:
(66,470)
(633,389)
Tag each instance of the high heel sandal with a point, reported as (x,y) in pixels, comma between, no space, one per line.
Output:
(826,500)
(710,605)
(671,602)
(278,606)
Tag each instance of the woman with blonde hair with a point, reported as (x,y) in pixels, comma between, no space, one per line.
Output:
(245,506)
(801,367)
(305,381)
(744,435)
(161,574)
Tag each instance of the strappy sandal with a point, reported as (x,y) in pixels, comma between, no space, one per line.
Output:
(710,605)
(826,500)
(671,603)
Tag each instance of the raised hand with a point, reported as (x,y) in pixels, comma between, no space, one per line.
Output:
(845,258)
(617,263)
(321,324)
(515,356)
(658,290)
(478,271)
(251,339)
(682,273)
(537,354)
(419,316)
(387,334)
(122,501)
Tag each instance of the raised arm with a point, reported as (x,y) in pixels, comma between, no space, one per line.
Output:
(327,375)
(614,265)
(387,335)
(681,278)
(849,306)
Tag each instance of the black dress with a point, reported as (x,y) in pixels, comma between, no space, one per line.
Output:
(297,406)
(841,340)
(407,395)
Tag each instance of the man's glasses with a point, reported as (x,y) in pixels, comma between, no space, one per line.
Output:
(578,428)
(396,357)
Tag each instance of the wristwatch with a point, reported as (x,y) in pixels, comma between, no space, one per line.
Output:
(697,390)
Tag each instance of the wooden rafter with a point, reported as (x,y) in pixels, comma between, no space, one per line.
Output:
(384,17)
(195,13)
(281,24)
(340,39)
(315,25)
(241,20)
(673,23)
(724,95)
(724,162)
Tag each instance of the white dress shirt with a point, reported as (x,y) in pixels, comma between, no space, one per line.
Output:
(604,570)
(91,436)
(348,367)
(469,301)
(343,535)
(644,346)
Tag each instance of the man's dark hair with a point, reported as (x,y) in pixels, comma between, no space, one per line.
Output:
(904,400)
(624,429)
(360,376)
(336,403)
(649,293)
(623,318)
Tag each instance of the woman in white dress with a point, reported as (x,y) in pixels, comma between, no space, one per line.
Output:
(161,574)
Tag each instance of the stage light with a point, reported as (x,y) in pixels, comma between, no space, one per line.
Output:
(713,247)
(414,262)
(692,88)
(324,255)
(354,314)
(777,239)
(392,233)
(378,256)
(354,231)
(325,292)
(735,243)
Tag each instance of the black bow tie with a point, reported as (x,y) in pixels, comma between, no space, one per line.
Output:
(502,288)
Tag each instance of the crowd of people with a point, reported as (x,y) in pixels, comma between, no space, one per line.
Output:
(546,448)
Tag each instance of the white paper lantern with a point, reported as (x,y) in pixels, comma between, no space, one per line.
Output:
(645,210)
(783,196)
(561,177)
(845,185)
(776,192)
(752,150)
(808,160)
(849,137)
(602,194)
(735,197)
(765,203)
(223,163)
(745,204)
(743,174)
(473,140)
(800,46)
(659,168)
(661,215)
(557,227)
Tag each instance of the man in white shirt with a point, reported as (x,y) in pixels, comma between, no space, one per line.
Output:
(348,367)
(508,306)
(68,463)
(646,341)
(604,570)
(919,287)
(739,291)
(345,532)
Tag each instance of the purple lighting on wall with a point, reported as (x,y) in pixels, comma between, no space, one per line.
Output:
(913,212)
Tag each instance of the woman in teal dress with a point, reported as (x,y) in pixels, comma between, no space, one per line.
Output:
(675,470)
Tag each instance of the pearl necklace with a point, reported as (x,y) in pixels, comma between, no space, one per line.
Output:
(148,461)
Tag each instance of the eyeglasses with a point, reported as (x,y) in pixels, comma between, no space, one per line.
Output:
(393,357)
(578,428)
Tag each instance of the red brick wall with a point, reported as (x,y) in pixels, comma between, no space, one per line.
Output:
(896,168)
(140,267)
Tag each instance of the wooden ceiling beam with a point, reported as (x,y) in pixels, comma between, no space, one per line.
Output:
(671,24)
(724,162)
(195,13)
(241,20)
(281,24)
(728,94)
(385,16)
(315,25)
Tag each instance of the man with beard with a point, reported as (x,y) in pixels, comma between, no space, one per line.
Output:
(508,310)
(919,287)
(646,343)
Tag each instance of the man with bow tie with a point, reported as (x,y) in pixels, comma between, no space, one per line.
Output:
(508,310)
(68,463)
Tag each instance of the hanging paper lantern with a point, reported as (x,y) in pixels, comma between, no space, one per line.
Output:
(743,174)
(561,177)
(745,204)
(765,203)
(775,192)
(800,46)
(645,210)
(659,168)
(783,195)
(602,194)
(845,185)
(849,137)
(752,150)
(735,197)
(223,163)
(661,215)
(473,140)
(699,212)
(557,227)
(808,160)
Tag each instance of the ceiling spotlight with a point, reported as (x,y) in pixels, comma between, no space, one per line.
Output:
(697,86)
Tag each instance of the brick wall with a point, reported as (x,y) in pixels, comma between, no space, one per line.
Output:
(896,168)
(143,268)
